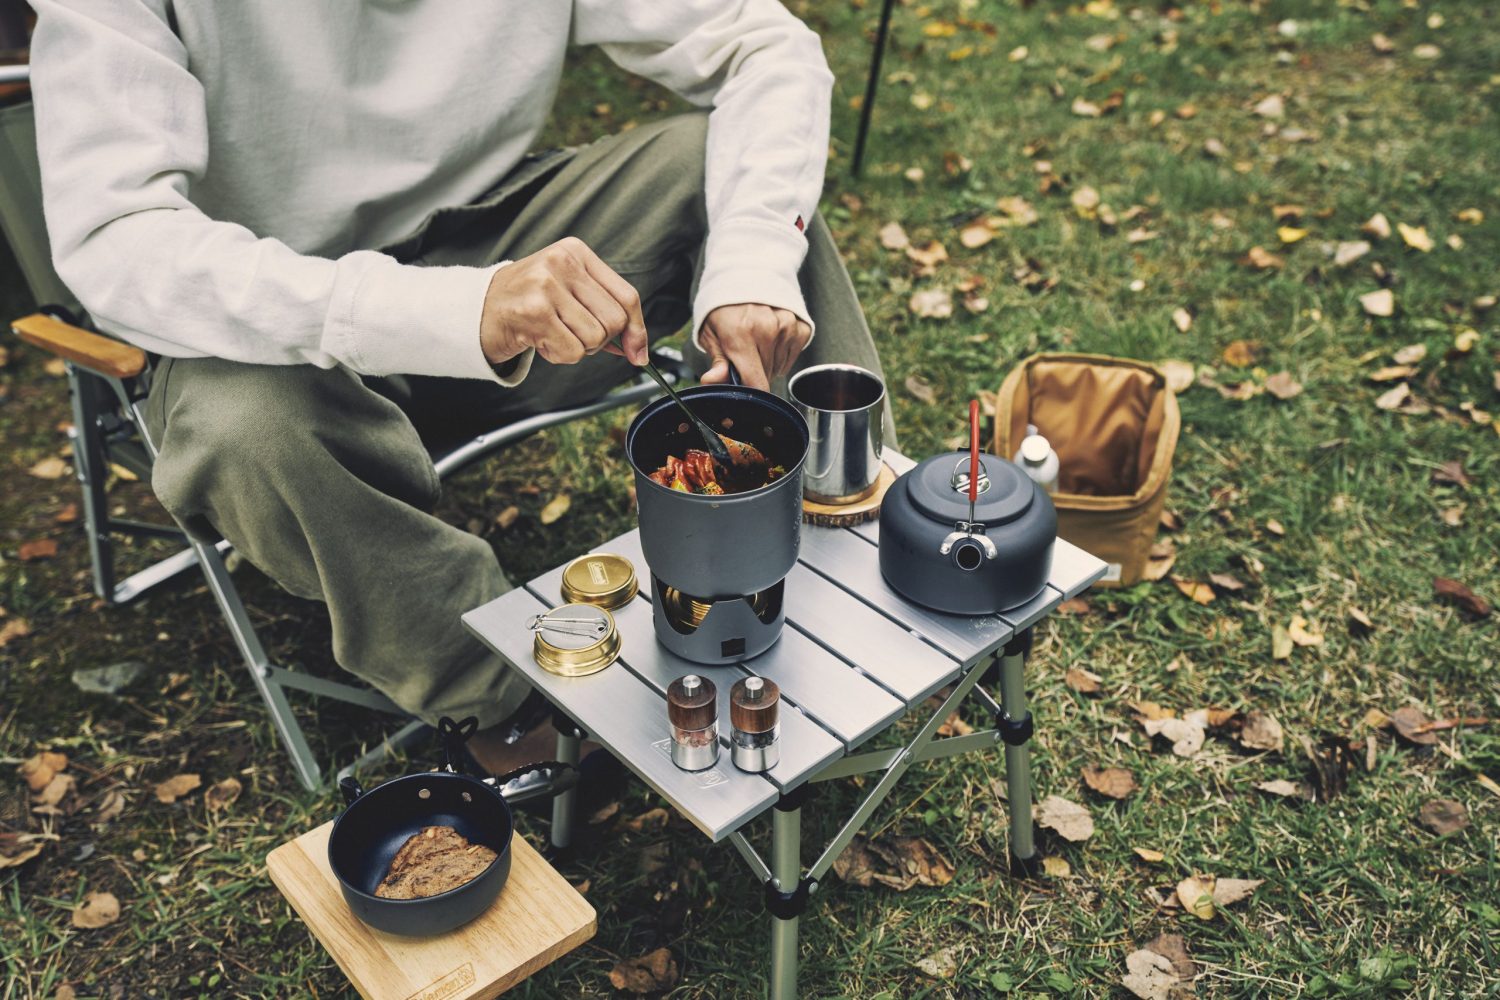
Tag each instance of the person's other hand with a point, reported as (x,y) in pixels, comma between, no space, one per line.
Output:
(566,303)
(761,341)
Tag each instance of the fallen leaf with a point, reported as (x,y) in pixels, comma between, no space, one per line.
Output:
(920,389)
(1018,54)
(1392,399)
(1270,107)
(1147,710)
(1427,51)
(110,807)
(16,848)
(1187,737)
(899,863)
(651,973)
(1381,302)
(50,467)
(98,909)
(1350,251)
(1261,732)
(1159,560)
(1472,216)
(1275,527)
(932,303)
(223,794)
(976,234)
(928,256)
(893,237)
(1086,199)
(1359,622)
(1179,374)
(1115,782)
(1215,148)
(1283,386)
(1228,891)
(1017,210)
(1056,867)
(39,769)
(56,367)
(1226,581)
(1291,234)
(1182,319)
(1140,235)
(1197,897)
(1465,340)
(1241,353)
(954,725)
(1281,643)
(1149,976)
(1303,633)
(1377,226)
(1411,354)
(1409,722)
(1147,854)
(1470,602)
(1074,606)
(942,964)
(976,303)
(1415,237)
(41,548)
(1443,816)
(57,789)
(1200,593)
(67,515)
(556,508)
(1082,681)
(1391,373)
(1068,820)
(1084,108)
(1285,213)
(651,819)
(176,787)
(921,100)
(914,174)
(1381,44)
(507,517)
(15,628)
(1454,241)
(1451,473)
(1281,787)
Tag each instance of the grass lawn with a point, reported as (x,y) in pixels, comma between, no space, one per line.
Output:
(1319,505)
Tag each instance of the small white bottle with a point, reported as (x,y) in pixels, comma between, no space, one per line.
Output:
(1037,459)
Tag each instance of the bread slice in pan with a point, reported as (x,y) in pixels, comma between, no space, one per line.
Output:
(434,860)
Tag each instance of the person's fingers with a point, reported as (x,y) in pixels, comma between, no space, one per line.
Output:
(633,335)
(744,352)
(581,326)
(718,371)
(786,341)
(593,297)
(559,345)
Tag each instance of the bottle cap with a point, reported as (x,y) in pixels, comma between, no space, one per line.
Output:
(602,579)
(1035,449)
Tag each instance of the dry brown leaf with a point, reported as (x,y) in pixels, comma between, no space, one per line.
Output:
(507,517)
(931,303)
(1392,398)
(1182,319)
(651,819)
(1173,948)
(56,367)
(1185,735)
(1150,976)
(1179,375)
(1276,528)
(1443,816)
(1377,226)
(1270,107)
(1283,386)
(954,725)
(1427,51)
(1411,354)
(651,973)
(1140,235)
(1359,622)
(14,628)
(1226,581)
(110,807)
(1149,855)
(941,964)
(1082,681)
(1200,593)
(1391,373)
(1415,237)
(1468,601)
(928,256)
(1084,108)
(556,508)
(1381,44)
(1068,820)
(56,790)
(98,909)
(1241,353)
(1160,559)
(1148,710)
(1262,732)
(1303,633)
(1381,302)
(176,787)
(18,848)
(223,794)
(1215,148)
(1056,867)
(50,467)
(900,863)
(1115,782)
(1196,893)
(1465,340)
(1281,787)
(1451,473)
(39,769)
(67,515)
(976,234)
(604,813)
(893,237)
(920,389)
(1410,722)
(1228,891)
(1086,200)
(1350,251)
(37,549)
(1281,643)
(1074,606)
(1018,211)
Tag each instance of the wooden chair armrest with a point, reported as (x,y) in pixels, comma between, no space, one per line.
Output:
(98,354)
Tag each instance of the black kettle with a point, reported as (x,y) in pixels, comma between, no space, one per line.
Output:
(969,534)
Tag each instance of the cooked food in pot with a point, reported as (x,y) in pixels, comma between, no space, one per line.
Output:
(435,860)
(695,472)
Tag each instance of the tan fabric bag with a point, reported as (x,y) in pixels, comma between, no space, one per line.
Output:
(1114,424)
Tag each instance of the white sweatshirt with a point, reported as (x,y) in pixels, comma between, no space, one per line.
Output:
(215,172)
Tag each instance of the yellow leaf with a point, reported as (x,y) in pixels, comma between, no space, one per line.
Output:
(961,53)
(1057,867)
(1290,234)
(1472,216)
(556,509)
(1465,341)
(1410,354)
(922,100)
(976,234)
(1147,854)
(1200,593)
(1197,896)
(1019,54)
(1415,237)
(1281,643)
(1302,633)
(1377,226)
(939,29)
(56,367)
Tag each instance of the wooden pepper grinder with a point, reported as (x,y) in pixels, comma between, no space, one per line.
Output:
(754,703)
(693,710)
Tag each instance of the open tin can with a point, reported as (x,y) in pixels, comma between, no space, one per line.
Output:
(575,640)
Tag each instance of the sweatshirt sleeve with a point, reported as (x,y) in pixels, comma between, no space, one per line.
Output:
(764,75)
(122,136)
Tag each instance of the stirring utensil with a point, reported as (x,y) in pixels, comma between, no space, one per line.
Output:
(714,444)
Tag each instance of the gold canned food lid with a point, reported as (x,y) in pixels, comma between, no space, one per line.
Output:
(604,580)
(575,640)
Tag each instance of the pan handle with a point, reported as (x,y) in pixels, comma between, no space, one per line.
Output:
(351,788)
(453,736)
(535,781)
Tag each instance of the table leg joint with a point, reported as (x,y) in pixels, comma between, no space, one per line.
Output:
(789,905)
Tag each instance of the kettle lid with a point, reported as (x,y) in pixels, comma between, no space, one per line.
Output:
(939,488)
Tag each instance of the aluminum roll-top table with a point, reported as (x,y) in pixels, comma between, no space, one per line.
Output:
(854,659)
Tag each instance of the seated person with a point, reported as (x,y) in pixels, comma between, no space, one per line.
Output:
(324,219)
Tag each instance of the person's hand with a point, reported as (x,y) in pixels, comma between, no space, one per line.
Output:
(761,341)
(566,303)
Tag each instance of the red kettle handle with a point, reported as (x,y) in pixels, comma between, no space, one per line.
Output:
(973,452)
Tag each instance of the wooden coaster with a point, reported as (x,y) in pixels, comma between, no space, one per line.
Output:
(827,515)
(537,918)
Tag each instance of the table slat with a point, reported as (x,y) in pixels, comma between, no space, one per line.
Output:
(627,717)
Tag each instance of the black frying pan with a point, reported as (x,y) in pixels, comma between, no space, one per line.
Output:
(378,822)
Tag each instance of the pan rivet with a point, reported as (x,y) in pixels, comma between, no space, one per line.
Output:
(424,793)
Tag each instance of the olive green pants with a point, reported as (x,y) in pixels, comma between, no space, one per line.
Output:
(323,479)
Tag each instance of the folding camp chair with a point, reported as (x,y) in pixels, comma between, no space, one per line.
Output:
(109,381)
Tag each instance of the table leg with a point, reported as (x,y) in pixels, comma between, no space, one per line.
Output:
(569,744)
(1015,728)
(786,867)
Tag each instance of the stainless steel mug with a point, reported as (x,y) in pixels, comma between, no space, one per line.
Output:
(843,406)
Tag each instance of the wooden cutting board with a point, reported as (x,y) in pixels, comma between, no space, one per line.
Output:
(537,919)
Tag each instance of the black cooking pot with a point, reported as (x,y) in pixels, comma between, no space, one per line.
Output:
(720,546)
(367,835)
(932,554)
